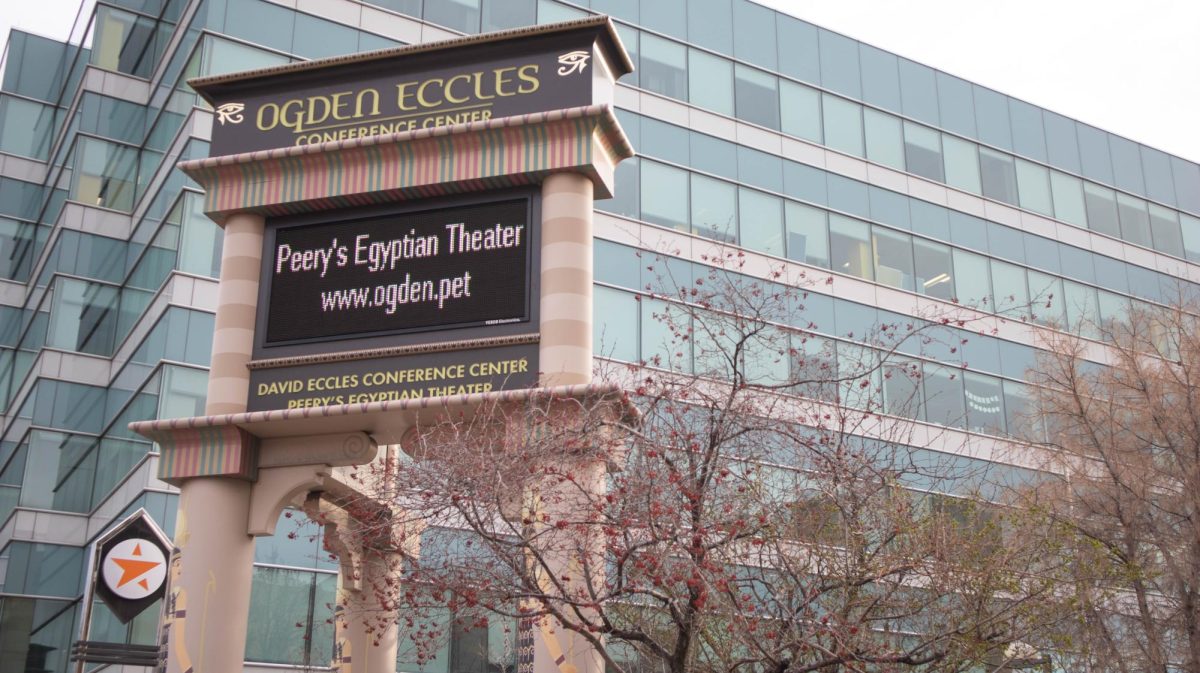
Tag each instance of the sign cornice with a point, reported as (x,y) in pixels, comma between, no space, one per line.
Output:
(616,48)
(470,157)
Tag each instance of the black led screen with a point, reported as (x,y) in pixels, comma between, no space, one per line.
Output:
(451,267)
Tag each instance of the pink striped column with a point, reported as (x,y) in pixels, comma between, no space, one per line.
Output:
(233,340)
(566,323)
(216,553)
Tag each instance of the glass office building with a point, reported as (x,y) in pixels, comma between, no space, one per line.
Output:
(801,145)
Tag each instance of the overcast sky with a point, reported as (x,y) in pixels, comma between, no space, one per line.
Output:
(1129,66)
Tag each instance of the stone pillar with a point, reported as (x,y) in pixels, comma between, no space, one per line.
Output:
(555,649)
(366,628)
(212,594)
(207,631)
(237,302)
(565,357)
(565,352)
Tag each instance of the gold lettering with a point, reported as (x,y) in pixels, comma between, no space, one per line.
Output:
(421,93)
(274,116)
(478,76)
(448,89)
(523,73)
(402,93)
(313,101)
(501,81)
(358,103)
(287,119)
(336,104)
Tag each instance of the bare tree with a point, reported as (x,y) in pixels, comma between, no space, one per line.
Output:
(735,502)
(1123,422)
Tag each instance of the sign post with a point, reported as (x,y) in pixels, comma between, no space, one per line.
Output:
(129,568)
(406,231)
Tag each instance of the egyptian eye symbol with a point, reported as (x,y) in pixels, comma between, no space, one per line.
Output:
(230,112)
(574,61)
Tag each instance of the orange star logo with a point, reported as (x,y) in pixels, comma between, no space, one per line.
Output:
(132,568)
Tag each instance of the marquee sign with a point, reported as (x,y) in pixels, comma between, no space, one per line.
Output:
(408,88)
(402,377)
(412,301)
(431,294)
(425,270)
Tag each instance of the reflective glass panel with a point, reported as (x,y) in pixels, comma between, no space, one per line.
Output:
(1083,313)
(985,403)
(1156,166)
(665,16)
(105,174)
(1047,301)
(1127,164)
(318,38)
(861,380)
(798,52)
(839,63)
(1005,242)
(885,141)
(280,602)
(1093,153)
(880,77)
(1019,414)
(1068,198)
(991,117)
(710,82)
(663,66)
(1187,184)
(807,234)
(843,125)
(918,88)
(1101,209)
(962,164)
(1190,230)
(664,195)
(801,109)
(929,219)
(761,217)
(501,14)
(1135,221)
(627,199)
(934,274)
(1114,308)
(956,105)
(902,388)
(848,195)
(757,96)
(665,141)
(615,330)
(1164,224)
(923,151)
(1033,186)
(893,258)
(759,168)
(1062,149)
(850,247)
(754,33)
(1029,137)
(971,286)
(710,24)
(1011,294)
(714,208)
(1077,263)
(998,175)
(663,326)
(944,396)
